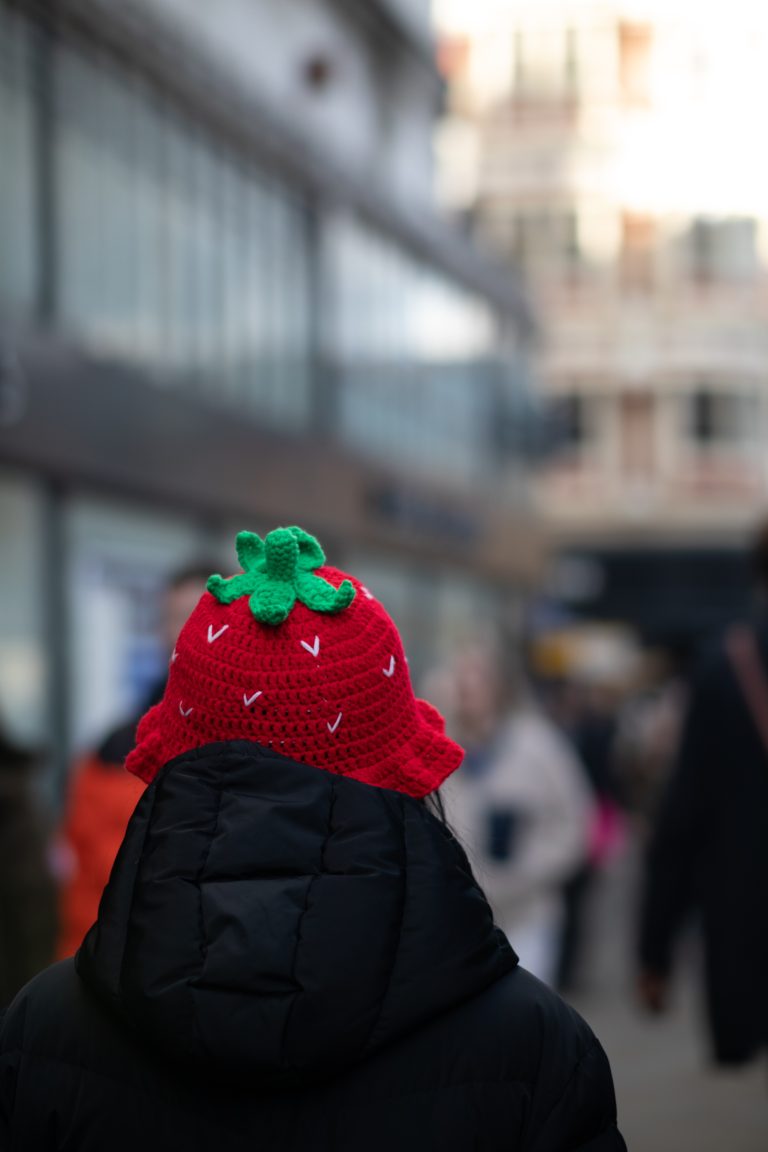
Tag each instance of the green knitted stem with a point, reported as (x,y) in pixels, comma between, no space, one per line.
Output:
(278,571)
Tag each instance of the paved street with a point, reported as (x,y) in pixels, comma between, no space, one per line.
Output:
(669,1100)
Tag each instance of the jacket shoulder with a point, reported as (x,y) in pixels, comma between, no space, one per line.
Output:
(56,1022)
(518,1053)
(546,1045)
(69,1070)
(534,1023)
(47,1014)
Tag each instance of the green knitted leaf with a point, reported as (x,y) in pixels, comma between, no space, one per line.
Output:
(228,590)
(250,550)
(278,571)
(311,555)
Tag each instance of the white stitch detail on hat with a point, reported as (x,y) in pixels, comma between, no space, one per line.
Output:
(174,656)
(248,700)
(181,709)
(368,594)
(332,727)
(215,635)
(391,670)
(313,649)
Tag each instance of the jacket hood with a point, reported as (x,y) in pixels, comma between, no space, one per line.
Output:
(268,917)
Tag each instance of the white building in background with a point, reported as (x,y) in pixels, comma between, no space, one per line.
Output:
(614,149)
(226,300)
(616,156)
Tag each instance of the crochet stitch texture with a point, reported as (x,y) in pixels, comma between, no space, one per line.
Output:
(328,685)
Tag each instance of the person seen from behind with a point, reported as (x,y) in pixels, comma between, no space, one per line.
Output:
(292,952)
(519,802)
(103,795)
(709,848)
(593,707)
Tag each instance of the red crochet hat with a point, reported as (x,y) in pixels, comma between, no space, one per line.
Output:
(303,659)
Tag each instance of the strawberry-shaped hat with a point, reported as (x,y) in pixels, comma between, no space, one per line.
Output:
(302,659)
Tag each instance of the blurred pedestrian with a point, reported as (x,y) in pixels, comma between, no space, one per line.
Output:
(519,802)
(103,795)
(592,733)
(649,731)
(709,849)
(292,952)
(27,895)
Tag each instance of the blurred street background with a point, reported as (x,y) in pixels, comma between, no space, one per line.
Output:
(477,291)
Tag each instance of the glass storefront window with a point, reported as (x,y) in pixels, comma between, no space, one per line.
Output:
(413,355)
(256,247)
(151,250)
(467,610)
(119,558)
(23,662)
(234,207)
(81,206)
(173,253)
(187,194)
(292,327)
(19,180)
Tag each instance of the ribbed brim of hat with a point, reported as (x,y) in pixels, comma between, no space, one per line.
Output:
(417,768)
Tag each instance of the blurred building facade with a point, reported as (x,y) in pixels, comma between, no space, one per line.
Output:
(608,146)
(226,300)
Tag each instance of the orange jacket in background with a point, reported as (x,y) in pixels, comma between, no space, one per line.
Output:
(101,802)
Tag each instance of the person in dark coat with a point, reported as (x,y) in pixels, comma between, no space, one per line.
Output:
(709,849)
(27,892)
(292,952)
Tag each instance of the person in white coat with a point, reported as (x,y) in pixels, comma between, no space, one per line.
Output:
(519,804)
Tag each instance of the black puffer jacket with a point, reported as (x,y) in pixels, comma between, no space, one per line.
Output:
(286,959)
